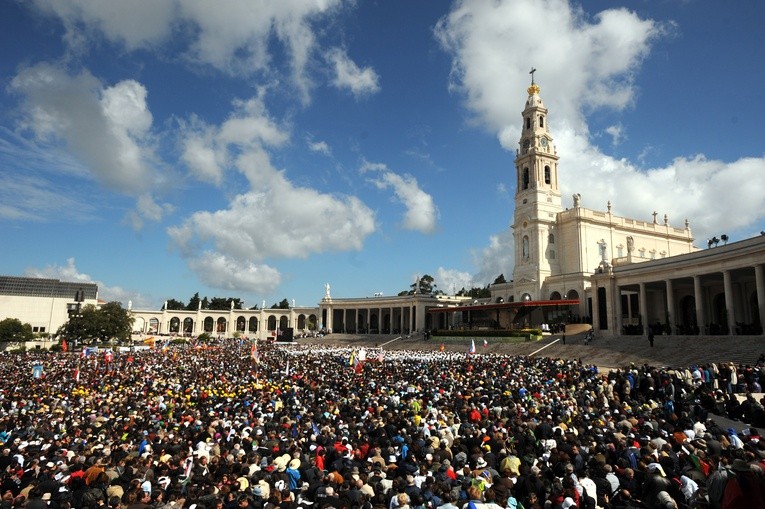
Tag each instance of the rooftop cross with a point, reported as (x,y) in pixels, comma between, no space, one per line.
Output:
(532,74)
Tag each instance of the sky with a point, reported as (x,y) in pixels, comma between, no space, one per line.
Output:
(260,149)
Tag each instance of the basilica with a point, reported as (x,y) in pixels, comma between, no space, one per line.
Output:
(625,276)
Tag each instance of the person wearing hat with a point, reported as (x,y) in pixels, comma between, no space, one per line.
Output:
(745,487)
(294,474)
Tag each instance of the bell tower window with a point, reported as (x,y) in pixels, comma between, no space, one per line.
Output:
(528,122)
(541,121)
(525,178)
(547,174)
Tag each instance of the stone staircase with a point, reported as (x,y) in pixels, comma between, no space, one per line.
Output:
(670,351)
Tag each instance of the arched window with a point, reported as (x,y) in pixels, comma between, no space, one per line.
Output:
(547,174)
(253,324)
(551,238)
(528,122)
(525,247)
(525,178)
(541,121)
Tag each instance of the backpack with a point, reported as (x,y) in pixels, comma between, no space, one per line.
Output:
(93,498)
(586,501)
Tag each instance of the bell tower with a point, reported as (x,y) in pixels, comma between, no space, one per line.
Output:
(537,201)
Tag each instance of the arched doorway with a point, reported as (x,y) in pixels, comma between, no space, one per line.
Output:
(301,322)
(139,324)
(272,322)
(555,296)
(283,323)
(153,326)
(572,295)
(208,324)
(221,328)
(312,322)
(253,324)
(241,324)
(188,325)
(175,324)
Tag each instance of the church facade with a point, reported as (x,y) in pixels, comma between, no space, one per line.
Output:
(623,275)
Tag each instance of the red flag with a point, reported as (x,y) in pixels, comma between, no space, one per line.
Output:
(64,346)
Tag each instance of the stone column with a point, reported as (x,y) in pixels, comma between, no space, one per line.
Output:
(618,322)
(671,307)
(758,276)
(698,297)
(595,309)
(728,286)
(643,302)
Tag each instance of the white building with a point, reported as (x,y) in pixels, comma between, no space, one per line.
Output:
(45,304)
(577,264)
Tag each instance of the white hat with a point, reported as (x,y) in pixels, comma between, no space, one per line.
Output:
(568,502)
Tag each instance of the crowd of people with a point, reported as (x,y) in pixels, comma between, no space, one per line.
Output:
(288,426)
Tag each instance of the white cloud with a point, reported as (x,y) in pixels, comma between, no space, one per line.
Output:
(108,129)
(584,63)
(451,281)
(71,273)
(274,220)
(320,146)
(235,37)
(495,259)
(220,271)
(616,132)
(421,212)
(348,75)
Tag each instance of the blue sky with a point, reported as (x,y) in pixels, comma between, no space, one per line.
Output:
(261,149)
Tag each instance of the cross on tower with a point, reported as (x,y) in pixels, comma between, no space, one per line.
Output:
(532,75)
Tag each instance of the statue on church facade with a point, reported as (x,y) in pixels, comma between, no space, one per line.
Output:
(577,199)
(630,244)
(326,291)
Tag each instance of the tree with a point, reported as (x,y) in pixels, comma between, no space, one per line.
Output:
(193,304)
(284,304)
(475,292)
(426,284)
(224,303)
(173,304)
(112,321)
(500,279)
(11,329)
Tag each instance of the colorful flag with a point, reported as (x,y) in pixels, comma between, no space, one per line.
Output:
(64,346)
(109,355)
(472,346)
(254,353)
(381,356)
(441,348)
(357,366)
(37,371)
(88,351)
